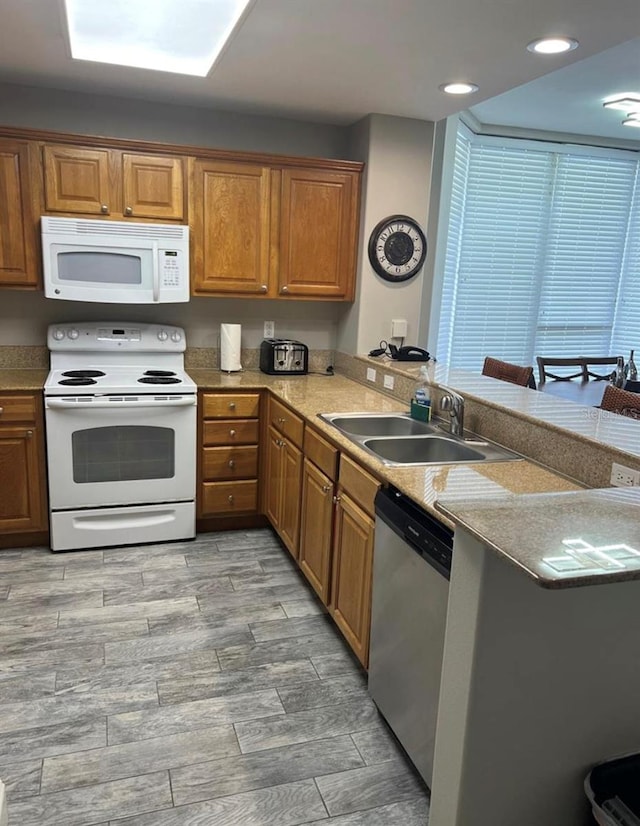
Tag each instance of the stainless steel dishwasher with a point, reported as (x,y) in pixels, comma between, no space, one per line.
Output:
(411,566)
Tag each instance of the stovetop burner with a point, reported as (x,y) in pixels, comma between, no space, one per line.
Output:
(78,381)
(159,380)
(159,373)
(84,374)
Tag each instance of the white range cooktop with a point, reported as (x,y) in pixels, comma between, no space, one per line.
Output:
(99,379)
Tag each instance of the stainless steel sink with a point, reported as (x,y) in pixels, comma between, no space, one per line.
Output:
(379,424)
(399,441)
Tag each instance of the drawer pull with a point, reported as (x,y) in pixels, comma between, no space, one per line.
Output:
(232,463)
(232,433)
(1,410)
(285,289)
(232,405)
(231,499)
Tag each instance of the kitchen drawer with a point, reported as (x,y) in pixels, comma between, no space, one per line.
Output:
(17,409)
(230,497)
(230,405)
(320,452)
(230,432)
(286,421)
(360,486)
(220,463)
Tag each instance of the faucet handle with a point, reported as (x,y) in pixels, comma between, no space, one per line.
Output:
(446,402)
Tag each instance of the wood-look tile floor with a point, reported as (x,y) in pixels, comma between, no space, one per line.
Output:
(186,684)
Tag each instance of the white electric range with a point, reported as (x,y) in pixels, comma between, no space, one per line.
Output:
(120,416)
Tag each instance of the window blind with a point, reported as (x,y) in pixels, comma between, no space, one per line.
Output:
(541,256)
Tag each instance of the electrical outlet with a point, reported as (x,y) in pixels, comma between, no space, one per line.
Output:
(624,477)
(371,374)
(399,328)
(269,329)
(389,381)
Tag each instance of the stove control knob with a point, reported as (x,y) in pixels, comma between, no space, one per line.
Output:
(176,336)
(73,334)
(58,334)
(163,335)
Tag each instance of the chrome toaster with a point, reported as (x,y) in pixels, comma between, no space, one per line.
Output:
(283,356)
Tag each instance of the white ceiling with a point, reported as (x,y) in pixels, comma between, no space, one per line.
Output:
(338,60)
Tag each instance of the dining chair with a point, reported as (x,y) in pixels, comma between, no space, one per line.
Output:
(505,371)
(599,360)
(616,400)
(544,362)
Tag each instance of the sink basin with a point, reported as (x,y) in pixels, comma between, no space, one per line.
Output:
(380,425)
(398,440)
(422,450)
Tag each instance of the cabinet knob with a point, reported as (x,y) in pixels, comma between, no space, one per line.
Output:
(1,410)
(128,211)
(104,209)
(263,288)
(326,488)
(231,498)
(232,405)
(29,433)
(232,463)
(232,433)
(336,499)
(281,419)
(285,289)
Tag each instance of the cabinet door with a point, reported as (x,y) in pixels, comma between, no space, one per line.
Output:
(18,239)
(231,208)
(318,233)
(273,481)
(289,529)
(316,514)
(77,179)
(152,187)
(351,577)
(21,480)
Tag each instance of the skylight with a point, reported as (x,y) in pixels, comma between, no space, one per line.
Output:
(180,36)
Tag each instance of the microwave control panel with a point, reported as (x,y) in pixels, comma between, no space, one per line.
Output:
(171,268)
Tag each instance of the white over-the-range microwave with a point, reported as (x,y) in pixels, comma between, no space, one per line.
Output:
(115,261)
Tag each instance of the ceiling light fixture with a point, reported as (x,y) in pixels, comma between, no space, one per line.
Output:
(183,37)
(552,45)
(458,88)
(627,102)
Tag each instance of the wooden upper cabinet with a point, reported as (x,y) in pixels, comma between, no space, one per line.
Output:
(113,184)
(231,220)
(18,237)
(318,233)
(78,179)
(152,187)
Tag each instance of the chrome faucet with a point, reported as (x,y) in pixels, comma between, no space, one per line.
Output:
(453,403)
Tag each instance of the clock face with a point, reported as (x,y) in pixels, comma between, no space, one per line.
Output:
(397,248)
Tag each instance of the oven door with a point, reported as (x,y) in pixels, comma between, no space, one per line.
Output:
(123,450)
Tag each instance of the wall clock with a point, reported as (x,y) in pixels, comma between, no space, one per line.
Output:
(397,248)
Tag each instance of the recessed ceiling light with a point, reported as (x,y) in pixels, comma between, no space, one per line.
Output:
(180,36)
(633,120)
(553,45)
(458,88)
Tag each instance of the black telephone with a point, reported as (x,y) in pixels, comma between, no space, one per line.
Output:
(408,353)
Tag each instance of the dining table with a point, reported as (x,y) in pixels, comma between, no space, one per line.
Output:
(587,393)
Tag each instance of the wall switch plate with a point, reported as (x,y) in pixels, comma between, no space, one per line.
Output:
(624,477)
(399,328)
(269,329)
(389,381)
(371,374)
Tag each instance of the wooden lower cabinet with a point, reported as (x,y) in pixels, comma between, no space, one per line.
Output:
(22,466)
(284,477)
(316,531)
(350,604)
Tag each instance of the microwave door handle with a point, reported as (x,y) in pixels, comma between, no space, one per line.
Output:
(156,274)
(95,403)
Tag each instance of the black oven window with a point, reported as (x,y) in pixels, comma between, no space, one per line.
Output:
(100,267)
(123,453)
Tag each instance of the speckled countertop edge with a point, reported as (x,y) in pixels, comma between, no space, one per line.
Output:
(19,379)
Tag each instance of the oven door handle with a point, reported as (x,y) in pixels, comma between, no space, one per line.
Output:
(96,403)
(156,273)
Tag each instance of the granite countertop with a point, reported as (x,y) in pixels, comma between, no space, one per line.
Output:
(26,378)
(562,540)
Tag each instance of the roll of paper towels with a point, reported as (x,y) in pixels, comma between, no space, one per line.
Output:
(230,347)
